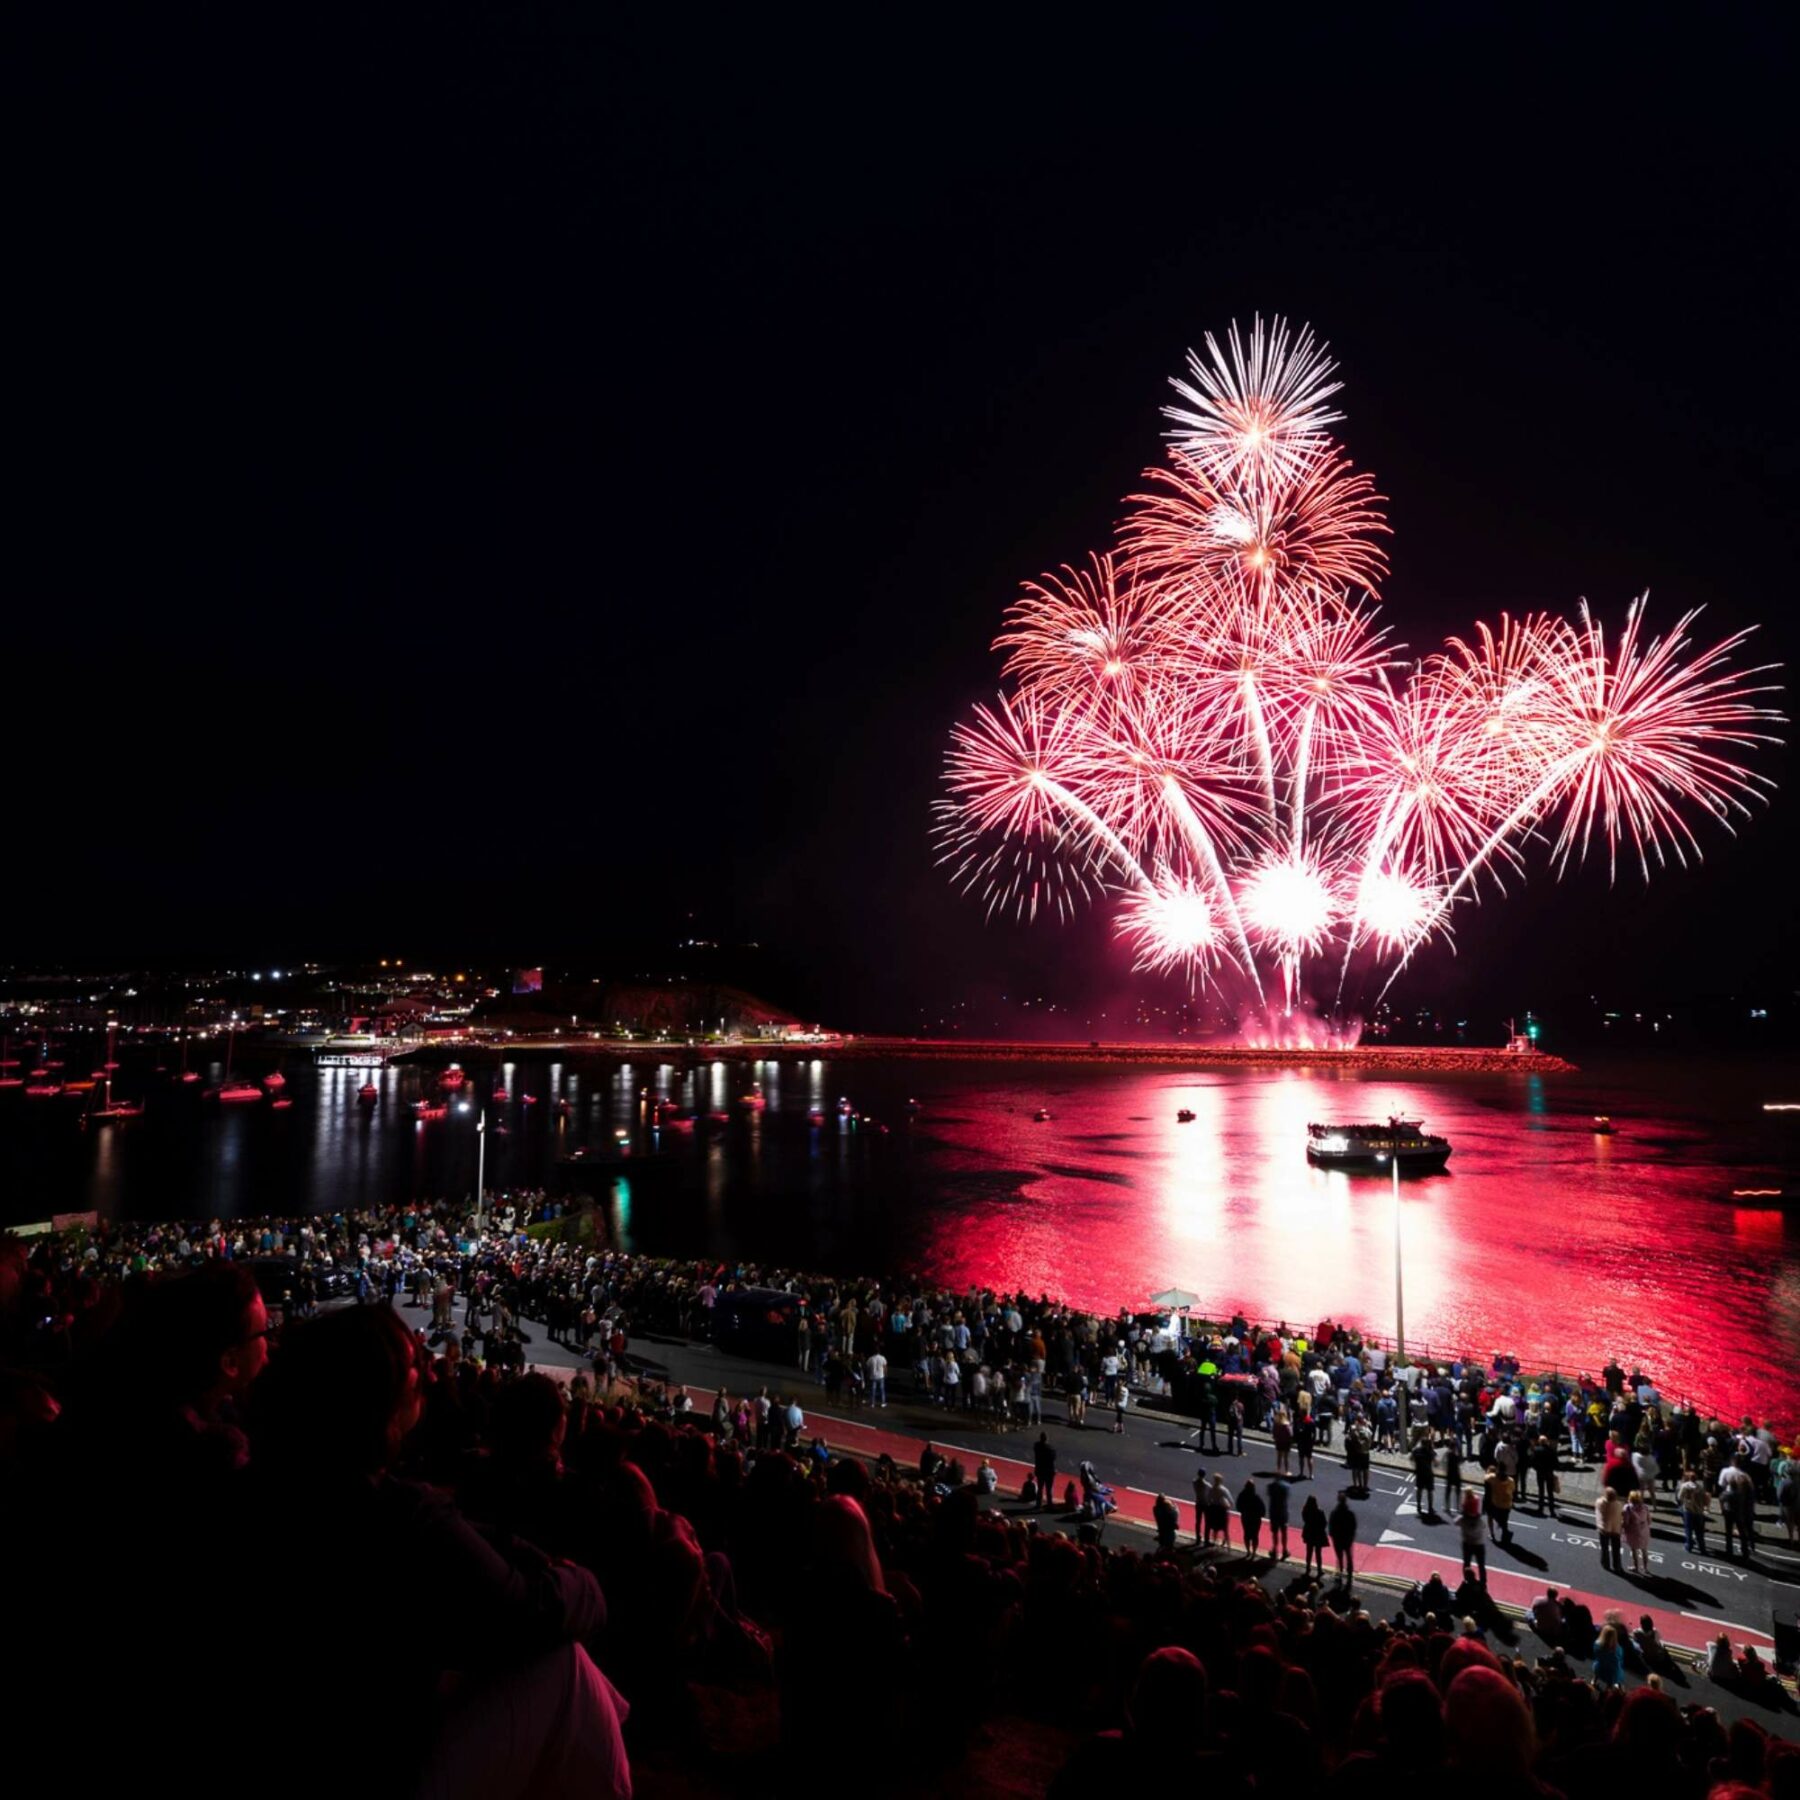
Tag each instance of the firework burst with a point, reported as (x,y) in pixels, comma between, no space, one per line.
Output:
(1210,725)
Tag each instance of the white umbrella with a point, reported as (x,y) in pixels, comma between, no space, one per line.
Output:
(1174,1298)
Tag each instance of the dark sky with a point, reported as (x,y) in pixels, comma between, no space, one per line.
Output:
(499,483)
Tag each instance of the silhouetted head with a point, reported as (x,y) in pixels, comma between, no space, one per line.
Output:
(343,1394)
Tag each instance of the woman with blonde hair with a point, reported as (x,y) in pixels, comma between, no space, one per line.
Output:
(1635,1529)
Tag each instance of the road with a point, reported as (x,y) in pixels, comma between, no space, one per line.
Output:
(1690,1597)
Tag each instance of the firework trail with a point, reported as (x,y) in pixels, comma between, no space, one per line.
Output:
(1209,725)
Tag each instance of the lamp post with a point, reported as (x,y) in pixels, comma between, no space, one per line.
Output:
(480,1166)
(1399,1274)
(481,1170)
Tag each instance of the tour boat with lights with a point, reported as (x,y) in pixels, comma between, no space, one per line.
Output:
(1377,1147)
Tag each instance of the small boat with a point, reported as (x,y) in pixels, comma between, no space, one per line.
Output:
(283,1104)
(501,1096)
(529,1099)
(1603,1126)
(1400,1142)
(1041,1115)
(42,1090)
(115,1110)
(275,1081)
(80,1087)
(189,1077)
(368,1094)
(238,1093)
(12,1081)
(1185,1115)
(754,1100)
(452,1078)
(431,1109)
(817,1115)
(565,1106)
(844,1105)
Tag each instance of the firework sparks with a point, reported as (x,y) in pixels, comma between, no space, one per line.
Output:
(1211,724)
(1171,926)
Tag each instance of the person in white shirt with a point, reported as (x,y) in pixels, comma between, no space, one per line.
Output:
(876,1370)
(1737,1506)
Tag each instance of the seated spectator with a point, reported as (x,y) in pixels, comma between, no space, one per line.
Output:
(1165,1740)
(1547,1617)
(496,1627)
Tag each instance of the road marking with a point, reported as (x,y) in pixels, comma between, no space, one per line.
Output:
(1726,1625)
(1393,1537)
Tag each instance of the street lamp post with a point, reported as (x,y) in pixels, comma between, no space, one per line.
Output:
(480,1165)
(481,1170)
(1399,1274)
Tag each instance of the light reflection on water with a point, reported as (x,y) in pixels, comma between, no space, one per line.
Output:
(1543,1238)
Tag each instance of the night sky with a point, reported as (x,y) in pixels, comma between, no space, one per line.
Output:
(499,485)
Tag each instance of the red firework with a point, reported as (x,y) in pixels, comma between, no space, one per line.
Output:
(1210,725)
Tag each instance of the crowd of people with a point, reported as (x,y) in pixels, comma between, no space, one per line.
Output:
(368,1536)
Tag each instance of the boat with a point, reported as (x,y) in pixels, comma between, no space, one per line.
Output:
(452,1078)
(275,1081)
(1041,1115)
(283,1104)
(431,1109)
(1185,1115)
(500,1095)
(229,1092)
(1603,1126)
(12,1081)
(1400,1141)
(368,1094)
(42,1090)
(86,1086)
(1765,1196)
(120,1110)
(529,1099)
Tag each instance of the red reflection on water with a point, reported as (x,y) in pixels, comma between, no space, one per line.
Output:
(1544,1239)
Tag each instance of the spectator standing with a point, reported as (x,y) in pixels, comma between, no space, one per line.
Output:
(1250,1510)
(1609,1523)
(1694,1503)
